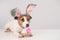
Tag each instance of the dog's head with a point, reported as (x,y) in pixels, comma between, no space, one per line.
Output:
(24,19)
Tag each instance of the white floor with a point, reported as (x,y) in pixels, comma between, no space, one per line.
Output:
(37,35)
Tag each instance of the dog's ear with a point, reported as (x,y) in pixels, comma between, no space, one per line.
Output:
(30,7)
(15,13)
(30,17)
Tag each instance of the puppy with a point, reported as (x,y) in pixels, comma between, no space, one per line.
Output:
(20,21)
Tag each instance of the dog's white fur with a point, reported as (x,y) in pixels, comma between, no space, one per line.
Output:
(15,27)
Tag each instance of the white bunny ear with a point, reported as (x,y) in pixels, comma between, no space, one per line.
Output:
(30,7)
(15,13)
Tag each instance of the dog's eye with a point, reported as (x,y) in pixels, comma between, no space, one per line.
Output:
(28,19)
(15,17)
(23,19)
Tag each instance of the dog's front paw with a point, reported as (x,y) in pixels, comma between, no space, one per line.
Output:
(20,36)
(30,34)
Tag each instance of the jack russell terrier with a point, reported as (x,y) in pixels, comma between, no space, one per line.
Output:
(20,21)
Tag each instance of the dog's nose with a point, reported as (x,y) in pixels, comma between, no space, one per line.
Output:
(27,25)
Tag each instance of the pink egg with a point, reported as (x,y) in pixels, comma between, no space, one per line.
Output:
(28,30)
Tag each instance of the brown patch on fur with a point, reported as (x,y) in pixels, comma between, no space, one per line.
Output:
(27,17)
(16,17)
(21,22)
(7,30)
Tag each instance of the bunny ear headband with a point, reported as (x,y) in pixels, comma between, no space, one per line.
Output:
(16,11)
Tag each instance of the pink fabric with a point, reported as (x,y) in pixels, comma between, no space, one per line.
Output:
(28,30)
(18,12)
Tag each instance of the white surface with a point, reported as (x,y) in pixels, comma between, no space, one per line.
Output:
(37,35)
(45,16)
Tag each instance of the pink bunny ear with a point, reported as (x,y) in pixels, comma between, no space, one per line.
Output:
(30,7)
(18,13)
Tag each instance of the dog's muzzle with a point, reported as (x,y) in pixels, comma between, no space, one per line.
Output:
(27,25)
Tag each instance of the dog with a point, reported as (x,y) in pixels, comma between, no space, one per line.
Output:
(20,21)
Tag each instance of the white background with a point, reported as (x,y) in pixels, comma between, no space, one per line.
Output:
(45,16)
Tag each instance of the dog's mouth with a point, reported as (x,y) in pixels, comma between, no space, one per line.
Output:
(24,27)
